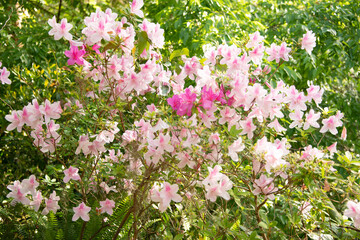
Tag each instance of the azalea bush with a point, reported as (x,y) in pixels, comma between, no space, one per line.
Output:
(183,147)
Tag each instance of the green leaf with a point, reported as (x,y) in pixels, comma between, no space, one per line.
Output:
(179,236)
(263,225)
(178,53)
(143,41)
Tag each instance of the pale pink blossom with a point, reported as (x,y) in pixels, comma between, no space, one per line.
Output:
(308,41)
(227,115)
(297,118)
(106,188)
(16,121)
(353,211)
(105,136)
(257,54)
(18,193)
(220,189)
(166,195)
(71,173)
(50,110)
(37,199)
(135,7)
(162,144)
(51,204)
(4,75)
(60,30)
(96,147)
(129,136)
(276,125)
(311,120)
(311,153)
(81,211)
(214,175)
(30,184)
(248,128)
(255,39)
(265,186)
(332,148)
(330,124)
(185,159)
(235,148)
(315,92)
(83,145)
(107,206)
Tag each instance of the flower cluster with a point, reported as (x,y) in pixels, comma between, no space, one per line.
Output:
(19,192)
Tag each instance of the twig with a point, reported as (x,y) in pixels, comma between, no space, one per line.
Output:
(7,19)
(59,10)
(82,230)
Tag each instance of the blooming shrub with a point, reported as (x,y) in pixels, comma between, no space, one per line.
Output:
(212,139)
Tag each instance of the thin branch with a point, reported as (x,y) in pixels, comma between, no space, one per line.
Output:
(59,11)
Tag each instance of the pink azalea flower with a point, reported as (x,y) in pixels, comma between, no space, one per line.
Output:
(129,136)
(284,51)
(247,128)
(37,199)
(331,123)
(60,30)
(219,189)
(83,145)
(107,189)
(4,75)
(154,32)
(315,93)
(168,194)
(183,103)
(265,186)
(185,159)
(311,119)
(353,211)
(75,55)
(16,121)
(162,143)
(276,125)
(96,147)
(51,204)
(257,54)
(18,193)
(30,184)
(107,206)
(234,148)
(229,53)
(81,211)
(214,138)
(278,52)
(273,52)
(311,153)
(227,115)
(214,175)
(297,118)
(135,7)
(255,39)
(308,42)
(51,110)
(332,148)
(207,98)
(71,173)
